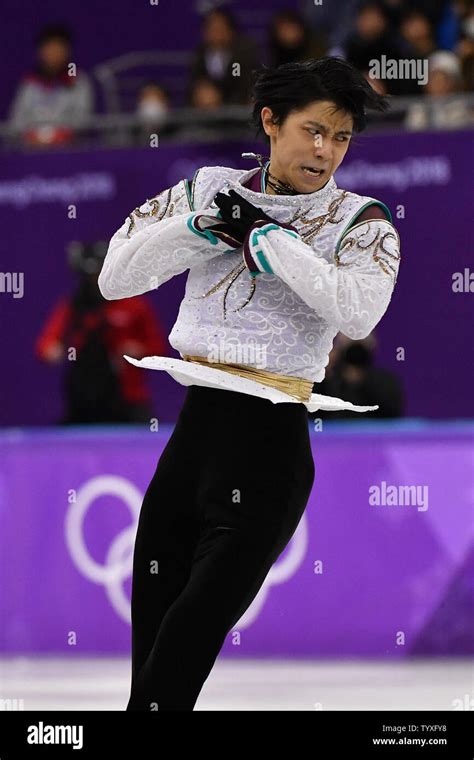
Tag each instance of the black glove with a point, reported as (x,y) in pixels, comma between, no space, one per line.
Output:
(239,214)
(214,228)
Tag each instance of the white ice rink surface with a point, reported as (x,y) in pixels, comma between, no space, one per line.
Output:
(45,683)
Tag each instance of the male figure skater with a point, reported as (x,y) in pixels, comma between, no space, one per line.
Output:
(280,260)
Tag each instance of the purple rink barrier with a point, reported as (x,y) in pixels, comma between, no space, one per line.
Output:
(373,570)
(425,177)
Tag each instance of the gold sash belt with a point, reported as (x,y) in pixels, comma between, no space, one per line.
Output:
(298,387)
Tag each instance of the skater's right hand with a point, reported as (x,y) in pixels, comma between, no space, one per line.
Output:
(212,226)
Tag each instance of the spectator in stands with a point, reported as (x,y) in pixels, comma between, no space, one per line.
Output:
(334,20)
(153,107)
(417,31)
(206,94)
(291,39)
(446,107)
(55,98)
(207,97)
(465,45)
(212,122)
(224,56)
(337,19)
(153,103)
(100,385)
(351,375)
(434,11)
(373,38)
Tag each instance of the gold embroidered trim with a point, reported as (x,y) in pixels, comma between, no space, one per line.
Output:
(298,387)
(315,225)
(378,241)
(232,276)
(367,221)
(318,222)
(155,203)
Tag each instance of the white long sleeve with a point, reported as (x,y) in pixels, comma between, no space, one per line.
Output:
(154,244)
(352,293)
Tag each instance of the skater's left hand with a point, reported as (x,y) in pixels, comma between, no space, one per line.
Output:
(239,213)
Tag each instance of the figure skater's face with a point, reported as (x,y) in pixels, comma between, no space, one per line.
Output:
(315,138)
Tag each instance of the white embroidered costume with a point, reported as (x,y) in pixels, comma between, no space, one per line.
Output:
(280,303)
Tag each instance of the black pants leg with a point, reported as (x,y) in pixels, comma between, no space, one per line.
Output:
(229,491)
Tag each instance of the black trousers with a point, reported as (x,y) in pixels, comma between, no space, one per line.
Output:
(228,493)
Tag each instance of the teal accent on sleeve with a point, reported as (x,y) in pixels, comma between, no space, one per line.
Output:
(377,203)
(262,177)
(259,253)
(202,233)
(264,263)
(290,232)
(262,231)
(358,213)
(270,226)
(187,186)
(193,185)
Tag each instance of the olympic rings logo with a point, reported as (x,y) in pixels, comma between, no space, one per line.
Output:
(118,565)
(119,559)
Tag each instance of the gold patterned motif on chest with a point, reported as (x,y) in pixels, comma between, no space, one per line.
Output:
(308,228)
(226,282)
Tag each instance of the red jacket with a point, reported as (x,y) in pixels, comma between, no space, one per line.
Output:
(131,328)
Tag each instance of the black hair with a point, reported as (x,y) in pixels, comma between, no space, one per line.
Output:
(293,86)
(54,32)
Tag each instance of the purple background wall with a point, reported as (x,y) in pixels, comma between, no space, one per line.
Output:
(355,576)
(430,175)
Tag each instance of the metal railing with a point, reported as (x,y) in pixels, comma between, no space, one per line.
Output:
(232,122)
(120,78)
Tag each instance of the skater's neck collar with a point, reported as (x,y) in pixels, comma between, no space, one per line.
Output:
(250,186)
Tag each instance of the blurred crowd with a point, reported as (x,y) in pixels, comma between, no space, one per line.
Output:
(56,100)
